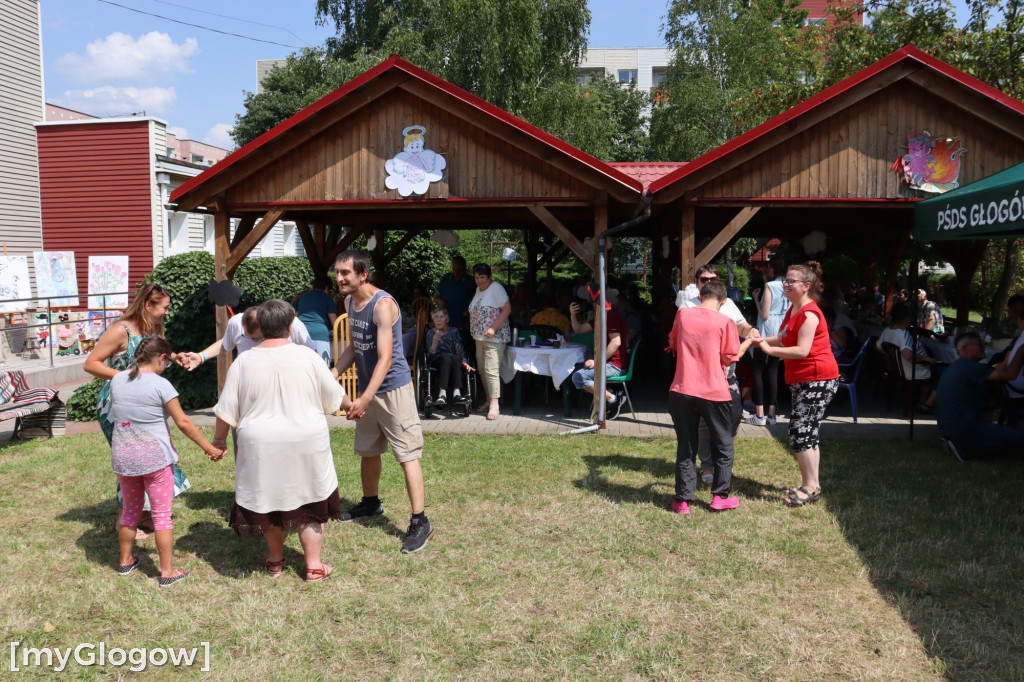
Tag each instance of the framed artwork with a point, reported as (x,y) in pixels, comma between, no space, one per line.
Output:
(14,283)
(56,276)
(108,275)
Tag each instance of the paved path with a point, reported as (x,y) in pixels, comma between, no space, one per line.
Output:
(652,420)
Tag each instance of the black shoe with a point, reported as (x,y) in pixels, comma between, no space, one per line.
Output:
(615,409)
(419,534)
(440,402)
(363,510)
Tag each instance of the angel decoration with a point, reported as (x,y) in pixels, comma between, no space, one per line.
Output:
(413,169)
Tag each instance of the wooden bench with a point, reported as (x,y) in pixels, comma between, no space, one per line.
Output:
(36,411)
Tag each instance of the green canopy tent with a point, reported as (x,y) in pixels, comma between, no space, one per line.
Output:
(989,208)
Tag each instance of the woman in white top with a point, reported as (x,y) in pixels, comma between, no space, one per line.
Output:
(276,396)
(771,308)
(896,333)
(488,324)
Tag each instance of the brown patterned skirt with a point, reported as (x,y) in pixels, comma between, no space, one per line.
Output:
(248,523)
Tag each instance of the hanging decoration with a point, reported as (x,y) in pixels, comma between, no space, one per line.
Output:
(930,164)
(413,169)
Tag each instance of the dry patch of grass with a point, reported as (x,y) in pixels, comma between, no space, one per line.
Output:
(554,558)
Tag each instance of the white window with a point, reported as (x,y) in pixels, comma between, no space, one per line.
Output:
(657,75)
(208,234)
(179,232)
(627,76)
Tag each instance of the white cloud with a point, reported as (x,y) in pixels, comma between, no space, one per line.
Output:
(111,101)
(152,58)
(179,132)
(220,136)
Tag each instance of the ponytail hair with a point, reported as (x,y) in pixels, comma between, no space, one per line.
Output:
(149,348)
(811,272)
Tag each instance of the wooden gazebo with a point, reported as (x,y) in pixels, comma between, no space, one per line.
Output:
(325,169)
(827,165)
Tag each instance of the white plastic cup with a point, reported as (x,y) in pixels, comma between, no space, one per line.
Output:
(533,339)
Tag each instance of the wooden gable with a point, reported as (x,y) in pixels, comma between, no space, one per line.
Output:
(346,161)
(850,154)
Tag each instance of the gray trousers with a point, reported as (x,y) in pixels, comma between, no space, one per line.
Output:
(686,412)
(704,442)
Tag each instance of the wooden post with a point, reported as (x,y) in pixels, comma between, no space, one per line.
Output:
(222,252)
(687,264)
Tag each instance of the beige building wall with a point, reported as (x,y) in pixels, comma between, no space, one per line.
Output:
(21,106)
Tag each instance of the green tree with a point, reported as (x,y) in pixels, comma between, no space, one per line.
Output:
(505,51)
(736,63)
(600,117)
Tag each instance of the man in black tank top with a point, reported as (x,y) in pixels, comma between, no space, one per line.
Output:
(385,411)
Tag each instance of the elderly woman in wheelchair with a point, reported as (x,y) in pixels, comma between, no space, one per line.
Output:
(445,353)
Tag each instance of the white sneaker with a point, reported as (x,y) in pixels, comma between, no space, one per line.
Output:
(755,420)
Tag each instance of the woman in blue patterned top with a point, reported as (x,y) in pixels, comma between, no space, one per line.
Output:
(446,354)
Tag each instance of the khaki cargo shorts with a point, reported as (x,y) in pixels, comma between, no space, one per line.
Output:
(391,417)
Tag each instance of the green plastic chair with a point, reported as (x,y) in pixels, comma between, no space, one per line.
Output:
(586,338)
(624,378)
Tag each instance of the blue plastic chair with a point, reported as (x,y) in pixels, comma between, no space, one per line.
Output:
(855,365)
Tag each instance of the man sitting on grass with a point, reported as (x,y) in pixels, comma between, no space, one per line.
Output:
(961,400)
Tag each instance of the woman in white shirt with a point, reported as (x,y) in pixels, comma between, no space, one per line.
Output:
(276,396)
(488,324)
(896,333)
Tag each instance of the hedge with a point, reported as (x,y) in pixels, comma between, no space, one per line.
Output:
(191,322)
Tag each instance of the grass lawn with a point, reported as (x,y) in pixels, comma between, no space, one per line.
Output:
(555,558)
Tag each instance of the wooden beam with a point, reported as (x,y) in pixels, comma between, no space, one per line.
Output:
(688,227)
(377,256)
(312,255)
(334,233)
(718,242)
(343,243)
(397,248)
(260,231)
(221,253)
(320,236)
(978,106)
(243,229)
(585,253)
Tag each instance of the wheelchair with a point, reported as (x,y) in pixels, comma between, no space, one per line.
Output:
(426,390)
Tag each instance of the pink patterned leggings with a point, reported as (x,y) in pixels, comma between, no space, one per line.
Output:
(159,485)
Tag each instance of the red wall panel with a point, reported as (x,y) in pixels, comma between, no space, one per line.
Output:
(95,189)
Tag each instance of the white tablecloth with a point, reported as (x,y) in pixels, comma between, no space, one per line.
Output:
(556,363)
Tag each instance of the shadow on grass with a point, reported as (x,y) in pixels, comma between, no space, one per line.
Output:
(943,543)
(661,473)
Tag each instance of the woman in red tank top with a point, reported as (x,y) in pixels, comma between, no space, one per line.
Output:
(811,372)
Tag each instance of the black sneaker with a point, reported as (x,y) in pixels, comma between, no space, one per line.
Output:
(125,569)
(418,535)
(363,510)
(440,402)
(615,409)
(170,580)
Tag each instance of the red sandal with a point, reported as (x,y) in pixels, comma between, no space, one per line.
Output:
(275,568)
(318,574)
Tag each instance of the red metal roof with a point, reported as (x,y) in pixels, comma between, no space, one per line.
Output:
(908,52)
(647,171)
(396,63)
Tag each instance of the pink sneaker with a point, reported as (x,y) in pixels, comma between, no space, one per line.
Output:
(681,507)
(723,503)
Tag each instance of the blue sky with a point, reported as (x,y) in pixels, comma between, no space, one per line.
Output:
(105,59)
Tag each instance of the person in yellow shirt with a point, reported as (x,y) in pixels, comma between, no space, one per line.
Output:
(550,316)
